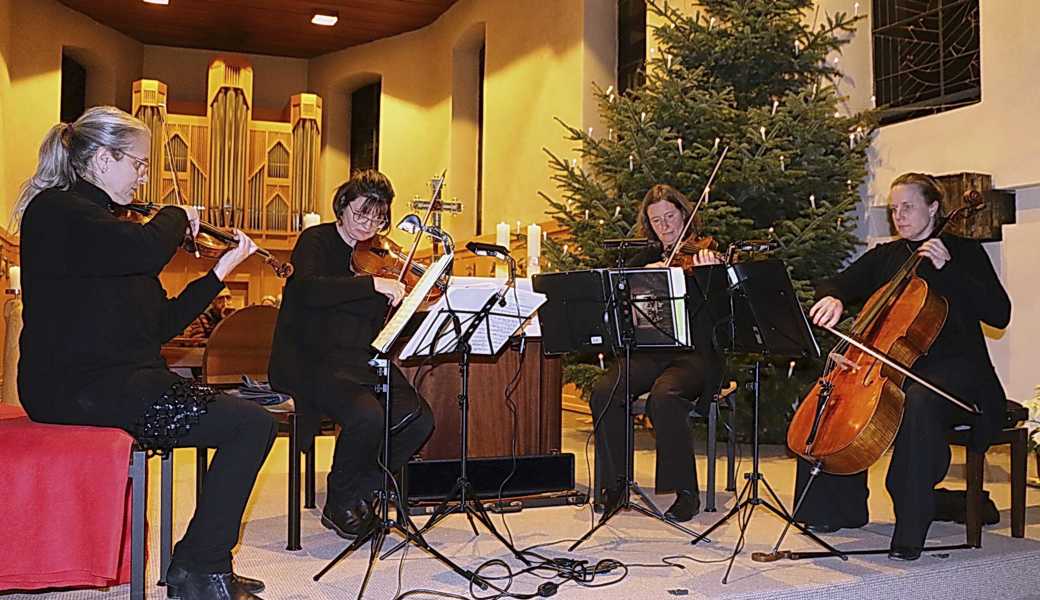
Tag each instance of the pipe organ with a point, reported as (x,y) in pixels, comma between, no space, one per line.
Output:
(258,176)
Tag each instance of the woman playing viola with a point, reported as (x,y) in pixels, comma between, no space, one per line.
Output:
(678,381)
(958,362)
(96,316)
(322,345)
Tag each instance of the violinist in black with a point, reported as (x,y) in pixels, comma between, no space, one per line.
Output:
(322,344)
(678,381)
(958,362)
(96,316)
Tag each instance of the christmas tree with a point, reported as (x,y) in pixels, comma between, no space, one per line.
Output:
(756,78)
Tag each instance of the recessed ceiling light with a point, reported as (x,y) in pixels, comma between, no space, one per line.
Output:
(163,2)
(328,18)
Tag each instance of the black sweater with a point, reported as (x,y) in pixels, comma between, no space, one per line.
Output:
(328,319)
(958,359)
(95,312)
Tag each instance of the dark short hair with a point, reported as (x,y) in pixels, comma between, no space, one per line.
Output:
(369,184)
(931,189)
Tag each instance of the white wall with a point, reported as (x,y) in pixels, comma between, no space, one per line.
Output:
(999,135)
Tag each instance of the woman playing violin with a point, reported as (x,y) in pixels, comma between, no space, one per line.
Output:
(96,316)
(329,318)
(677,380)
(958,362)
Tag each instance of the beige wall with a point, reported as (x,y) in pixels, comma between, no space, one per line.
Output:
(541,59)
(38,32)
(184,71)
(5,93)
(1000,135)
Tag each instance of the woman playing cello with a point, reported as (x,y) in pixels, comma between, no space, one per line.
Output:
(959,271)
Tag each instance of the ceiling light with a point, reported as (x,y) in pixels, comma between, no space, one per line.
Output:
(163,2)
(328,18)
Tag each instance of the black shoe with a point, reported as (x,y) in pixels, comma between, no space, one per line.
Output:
(348,523)
(903,553)
(686,505)
(821,527)
(211,586)
(176,574)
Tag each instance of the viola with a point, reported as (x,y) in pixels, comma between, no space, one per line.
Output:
(852,414)
(380,256)
(213,242)
(687,252)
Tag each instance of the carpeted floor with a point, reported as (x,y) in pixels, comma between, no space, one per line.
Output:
(660,561)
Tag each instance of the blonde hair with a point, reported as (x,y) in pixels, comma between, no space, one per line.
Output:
(67,149)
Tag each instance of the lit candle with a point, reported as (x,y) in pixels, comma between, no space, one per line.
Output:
(14,278)
(502,239)
(311,219)
(534,249)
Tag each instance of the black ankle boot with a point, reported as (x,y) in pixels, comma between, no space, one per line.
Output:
(212,586)
(348,523)
(687,504)
(176,574)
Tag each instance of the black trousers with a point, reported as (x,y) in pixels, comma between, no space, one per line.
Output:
(242,433)
(920,460)
(358,410)
(675,380)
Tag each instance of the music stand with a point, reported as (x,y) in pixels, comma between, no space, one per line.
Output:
(594,309)
(466,321)
(764,317)
(403,525)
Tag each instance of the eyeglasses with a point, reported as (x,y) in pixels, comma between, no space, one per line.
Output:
(366,221)
(140,164)
(671,216)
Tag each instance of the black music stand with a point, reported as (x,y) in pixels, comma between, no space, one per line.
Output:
(443,333)
(762,316)
(593,310)
(403,525)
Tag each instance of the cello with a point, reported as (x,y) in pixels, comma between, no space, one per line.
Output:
(853,412)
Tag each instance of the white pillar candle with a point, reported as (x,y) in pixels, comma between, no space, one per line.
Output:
(502,239)
(14,278)
(310,219)
(534,249)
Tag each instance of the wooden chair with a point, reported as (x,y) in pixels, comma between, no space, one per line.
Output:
(1017,438)
(241,345)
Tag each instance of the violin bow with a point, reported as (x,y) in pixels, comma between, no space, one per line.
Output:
(898,367)
(696,207)
(426,218)
(169,164)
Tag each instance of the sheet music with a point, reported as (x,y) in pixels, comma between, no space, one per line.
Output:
(410,304)
(533,327)
(442,328)
(657,296)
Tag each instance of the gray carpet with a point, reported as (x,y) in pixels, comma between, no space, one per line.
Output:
(1004,568)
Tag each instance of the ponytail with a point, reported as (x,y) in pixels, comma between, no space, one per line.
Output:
(67,149)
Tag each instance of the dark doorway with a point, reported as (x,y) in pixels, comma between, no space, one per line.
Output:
(73,89)
(364,127)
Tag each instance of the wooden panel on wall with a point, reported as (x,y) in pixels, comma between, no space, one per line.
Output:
(985,224)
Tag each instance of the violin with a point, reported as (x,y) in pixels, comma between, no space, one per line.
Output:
(380,256)
(687,252)
(213,242)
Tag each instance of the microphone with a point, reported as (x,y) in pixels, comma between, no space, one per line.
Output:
(627,243)
(485,249)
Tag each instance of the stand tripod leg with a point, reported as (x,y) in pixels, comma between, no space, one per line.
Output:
(607,515)
(789,518)
(357,543)
(742,499)
(634,487)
